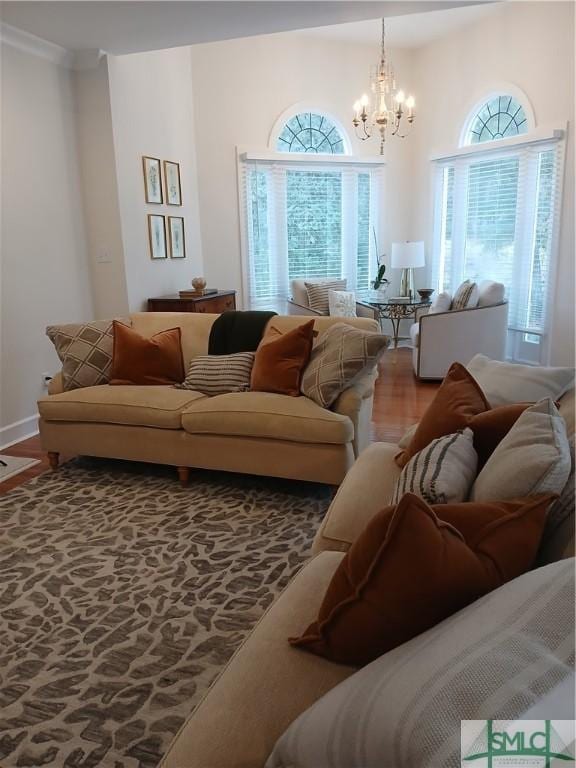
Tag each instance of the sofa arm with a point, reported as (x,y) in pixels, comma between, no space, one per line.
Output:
(301,309)
(56,385)
(458,335)
(366,489)
(356,403)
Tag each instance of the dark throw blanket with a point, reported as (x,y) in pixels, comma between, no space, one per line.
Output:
(237,332)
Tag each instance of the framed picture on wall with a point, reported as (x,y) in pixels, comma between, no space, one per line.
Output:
(152,179)
(157,236)
(172,183)
(176,237)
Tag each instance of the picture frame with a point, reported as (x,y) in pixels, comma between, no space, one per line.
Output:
(172,183)
(176,237)
(157,236)
(152,169)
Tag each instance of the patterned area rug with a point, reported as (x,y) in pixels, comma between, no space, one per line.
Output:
(122,595)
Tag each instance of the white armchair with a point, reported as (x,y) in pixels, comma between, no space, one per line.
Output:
(298,304)
(440,339)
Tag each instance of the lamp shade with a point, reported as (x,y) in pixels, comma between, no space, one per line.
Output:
(407,255)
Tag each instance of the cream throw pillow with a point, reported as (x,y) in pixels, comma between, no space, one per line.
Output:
(442,303)
(342,303)
(441,473)
(533,458)
(505,383)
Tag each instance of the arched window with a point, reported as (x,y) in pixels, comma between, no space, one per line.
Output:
(500,117)
(312,133)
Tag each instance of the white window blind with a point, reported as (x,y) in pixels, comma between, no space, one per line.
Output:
(497,218)
(307,221)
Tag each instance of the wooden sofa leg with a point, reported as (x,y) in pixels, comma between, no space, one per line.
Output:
(53,460)
(184,475)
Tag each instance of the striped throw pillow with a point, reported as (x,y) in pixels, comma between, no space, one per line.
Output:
(506,653)
(466,296)
(319,294)
(441,473)
(219,374)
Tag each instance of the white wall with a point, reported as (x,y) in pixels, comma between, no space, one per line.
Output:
(152,114)
(240,88)
(100,191)
(44,268)
(528,44)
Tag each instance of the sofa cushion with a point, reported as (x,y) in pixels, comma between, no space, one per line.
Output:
(144,406)
(505,383)
(533,458)
(265,685)
(266,414)
(496,658)
(490,293)
(366,489)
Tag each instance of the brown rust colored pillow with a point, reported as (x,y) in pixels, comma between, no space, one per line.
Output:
(138,360)
(280,360)
(414,565)
(457,401)
(492,426)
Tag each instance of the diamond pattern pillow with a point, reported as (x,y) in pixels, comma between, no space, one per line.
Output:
(341,355)
(85,351)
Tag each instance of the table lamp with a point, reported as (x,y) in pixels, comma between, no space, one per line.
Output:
(407,256)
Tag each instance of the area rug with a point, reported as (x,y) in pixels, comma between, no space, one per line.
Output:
(13,465)
(122,595)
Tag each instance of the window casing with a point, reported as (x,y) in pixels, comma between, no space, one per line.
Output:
(496,217)
(308,221)
(309,210)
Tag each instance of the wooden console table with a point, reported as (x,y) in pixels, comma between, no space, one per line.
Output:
(212,303)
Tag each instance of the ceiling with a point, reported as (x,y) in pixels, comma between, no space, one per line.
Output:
(407,31)
(129,26)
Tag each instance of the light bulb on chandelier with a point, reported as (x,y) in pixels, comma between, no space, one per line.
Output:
(368,121)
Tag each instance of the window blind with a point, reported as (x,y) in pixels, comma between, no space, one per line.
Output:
(497,218)
(307,221)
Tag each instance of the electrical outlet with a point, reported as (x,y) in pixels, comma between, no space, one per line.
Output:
(46,379)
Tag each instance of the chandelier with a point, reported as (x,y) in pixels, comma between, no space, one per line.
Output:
(386,108)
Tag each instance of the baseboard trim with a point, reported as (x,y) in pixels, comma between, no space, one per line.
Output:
(19,430)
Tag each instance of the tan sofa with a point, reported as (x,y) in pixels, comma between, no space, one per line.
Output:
(267,683)
(253,432)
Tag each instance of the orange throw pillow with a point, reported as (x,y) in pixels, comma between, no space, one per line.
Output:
(492,426)
(456,402)
(280,361)
(414,565)
(138,360)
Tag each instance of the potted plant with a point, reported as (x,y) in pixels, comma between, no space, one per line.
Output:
(380,282)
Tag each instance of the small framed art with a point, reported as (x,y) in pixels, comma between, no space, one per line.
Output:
(172,183)
(152,179)
(176,237)
(157,236)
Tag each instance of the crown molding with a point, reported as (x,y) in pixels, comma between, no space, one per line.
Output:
(35,46)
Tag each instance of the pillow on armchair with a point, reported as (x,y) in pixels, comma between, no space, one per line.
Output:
(318,293)
(342,304)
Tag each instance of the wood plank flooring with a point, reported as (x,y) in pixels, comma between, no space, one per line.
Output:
(399,401)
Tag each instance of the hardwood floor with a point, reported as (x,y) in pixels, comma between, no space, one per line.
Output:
(399,400)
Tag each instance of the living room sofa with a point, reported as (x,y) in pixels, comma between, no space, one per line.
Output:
(253,432)
(268,683)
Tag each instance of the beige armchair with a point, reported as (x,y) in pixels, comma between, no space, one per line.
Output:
(298,303)
(442,338)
